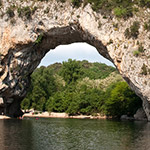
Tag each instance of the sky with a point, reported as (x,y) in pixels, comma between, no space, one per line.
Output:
(78,51)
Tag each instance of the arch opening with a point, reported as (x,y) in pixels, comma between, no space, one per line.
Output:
(78,51)
(90,80)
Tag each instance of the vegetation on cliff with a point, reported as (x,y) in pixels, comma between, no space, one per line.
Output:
(80,87)
(120,8)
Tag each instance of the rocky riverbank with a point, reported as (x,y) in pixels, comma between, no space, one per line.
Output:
(62,115)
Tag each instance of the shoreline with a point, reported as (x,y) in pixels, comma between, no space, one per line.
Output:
(37,115)
(61,115)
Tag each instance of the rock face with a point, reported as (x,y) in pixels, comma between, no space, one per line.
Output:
(140,114)
(28,33)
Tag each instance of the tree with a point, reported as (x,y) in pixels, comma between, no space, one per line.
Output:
(42,86)
(25,104)
(71,71)
(122,100)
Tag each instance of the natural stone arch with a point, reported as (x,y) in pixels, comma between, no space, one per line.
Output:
(22,60)
(24,44)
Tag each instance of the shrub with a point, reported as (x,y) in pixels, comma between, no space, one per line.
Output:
(133,31)
(144,3)
(144,69)
(120,12)
(34,9)
(13,21)
(141,48)
(110,42)
(43,0)
(136,53)
(127,33)
(62,1)
(39,39)
(76,3)
(10,13)
(25,11)
(99,24)
(147,25)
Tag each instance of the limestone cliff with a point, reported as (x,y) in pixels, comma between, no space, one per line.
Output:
(34,27)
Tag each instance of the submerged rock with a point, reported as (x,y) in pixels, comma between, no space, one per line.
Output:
(126,117)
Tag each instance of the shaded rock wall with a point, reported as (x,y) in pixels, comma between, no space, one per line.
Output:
(26,39)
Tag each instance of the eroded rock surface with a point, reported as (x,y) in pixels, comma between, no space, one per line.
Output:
(26,38)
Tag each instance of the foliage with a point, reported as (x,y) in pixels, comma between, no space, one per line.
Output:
(144,69)
(121,101)
(25,105)
(120,12)
(42,86)
(10,12)
(71,71)
(39,39)
(76,3)
(24,12)
(121,8)
(94,70)
(139,51)
(141,48)
(65,88)
(147,25)
(136,53)
(133,31)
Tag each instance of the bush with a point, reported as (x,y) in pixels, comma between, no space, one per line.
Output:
(120,12)
(144,3)
(76,3)
(144,69)
(24,12)
(10,13)
(141,48)
(127,33)
(147,25)
(34,9)
(136,53)
(122,101)
(133,31)
(39,39)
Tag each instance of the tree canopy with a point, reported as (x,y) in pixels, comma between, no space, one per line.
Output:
(80,87)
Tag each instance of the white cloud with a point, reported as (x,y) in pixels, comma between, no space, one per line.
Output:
(78,51)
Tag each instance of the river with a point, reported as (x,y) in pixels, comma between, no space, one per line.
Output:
(73,134)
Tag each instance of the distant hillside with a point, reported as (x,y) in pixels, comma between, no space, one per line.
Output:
(91,70)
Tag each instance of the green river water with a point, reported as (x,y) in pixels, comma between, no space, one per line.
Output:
(73,134)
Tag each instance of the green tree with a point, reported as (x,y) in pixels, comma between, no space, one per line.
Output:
(42,86)
(71,71)
(122,100)
(25,104)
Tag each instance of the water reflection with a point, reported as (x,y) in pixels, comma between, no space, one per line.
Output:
(15,135)
(73,134)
